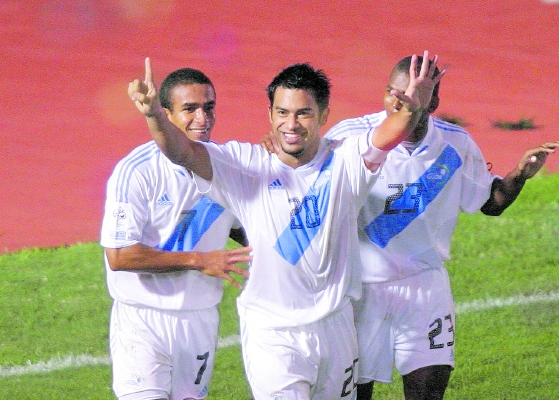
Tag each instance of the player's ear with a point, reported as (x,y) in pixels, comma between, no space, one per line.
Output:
(324,116)
(434,104)
(168,113)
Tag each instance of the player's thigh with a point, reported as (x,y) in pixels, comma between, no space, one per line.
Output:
(141,367)
(424,329)
(316,361)
(339,365)
(374,334)
(279,363)
(195,343)
(157,354)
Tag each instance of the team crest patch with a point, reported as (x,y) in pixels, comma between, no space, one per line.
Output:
(323,179)
(120,216)
(442,171)
(207,200)
(136,381)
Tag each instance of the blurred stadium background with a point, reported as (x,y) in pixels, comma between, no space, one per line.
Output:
(65,118)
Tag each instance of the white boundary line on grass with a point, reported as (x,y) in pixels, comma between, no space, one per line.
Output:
(84,360)
(480,305)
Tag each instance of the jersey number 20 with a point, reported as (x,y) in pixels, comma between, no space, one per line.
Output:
(312,216)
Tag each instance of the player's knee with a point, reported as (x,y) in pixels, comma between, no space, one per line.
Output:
(365,391)
(427,383)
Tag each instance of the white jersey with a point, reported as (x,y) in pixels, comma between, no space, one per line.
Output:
(407,223)
(301,223)
(152,201)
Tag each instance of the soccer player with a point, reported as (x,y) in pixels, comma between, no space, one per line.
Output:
(299,209)
(406,314)
(164,258)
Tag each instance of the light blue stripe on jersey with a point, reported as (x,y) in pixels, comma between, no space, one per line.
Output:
(297,237)
(193,226)
(447,126)
(353,126)
(386,226)
(142,154)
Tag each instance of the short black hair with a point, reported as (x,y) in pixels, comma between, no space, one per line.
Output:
(183,76)
(403,66)
(303,76)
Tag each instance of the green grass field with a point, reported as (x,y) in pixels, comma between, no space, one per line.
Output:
(504,272)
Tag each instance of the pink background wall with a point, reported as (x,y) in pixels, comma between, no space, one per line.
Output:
(65,118)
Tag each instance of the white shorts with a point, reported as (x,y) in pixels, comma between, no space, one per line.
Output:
(407,323)
(316,361)
(162,353)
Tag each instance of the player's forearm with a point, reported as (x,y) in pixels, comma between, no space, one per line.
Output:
(503,193)
(395,128)
(178,147)
(170,139)
(142,258)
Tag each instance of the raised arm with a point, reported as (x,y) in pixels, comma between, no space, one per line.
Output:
(171,140)
(505,191)
(415,100)
(142,258)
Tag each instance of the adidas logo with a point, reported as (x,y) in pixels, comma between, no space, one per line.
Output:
(275,185)
(164,201)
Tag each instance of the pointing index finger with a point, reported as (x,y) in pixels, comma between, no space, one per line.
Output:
(149,77)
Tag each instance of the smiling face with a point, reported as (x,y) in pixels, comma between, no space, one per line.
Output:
(192,110)
(296,121)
